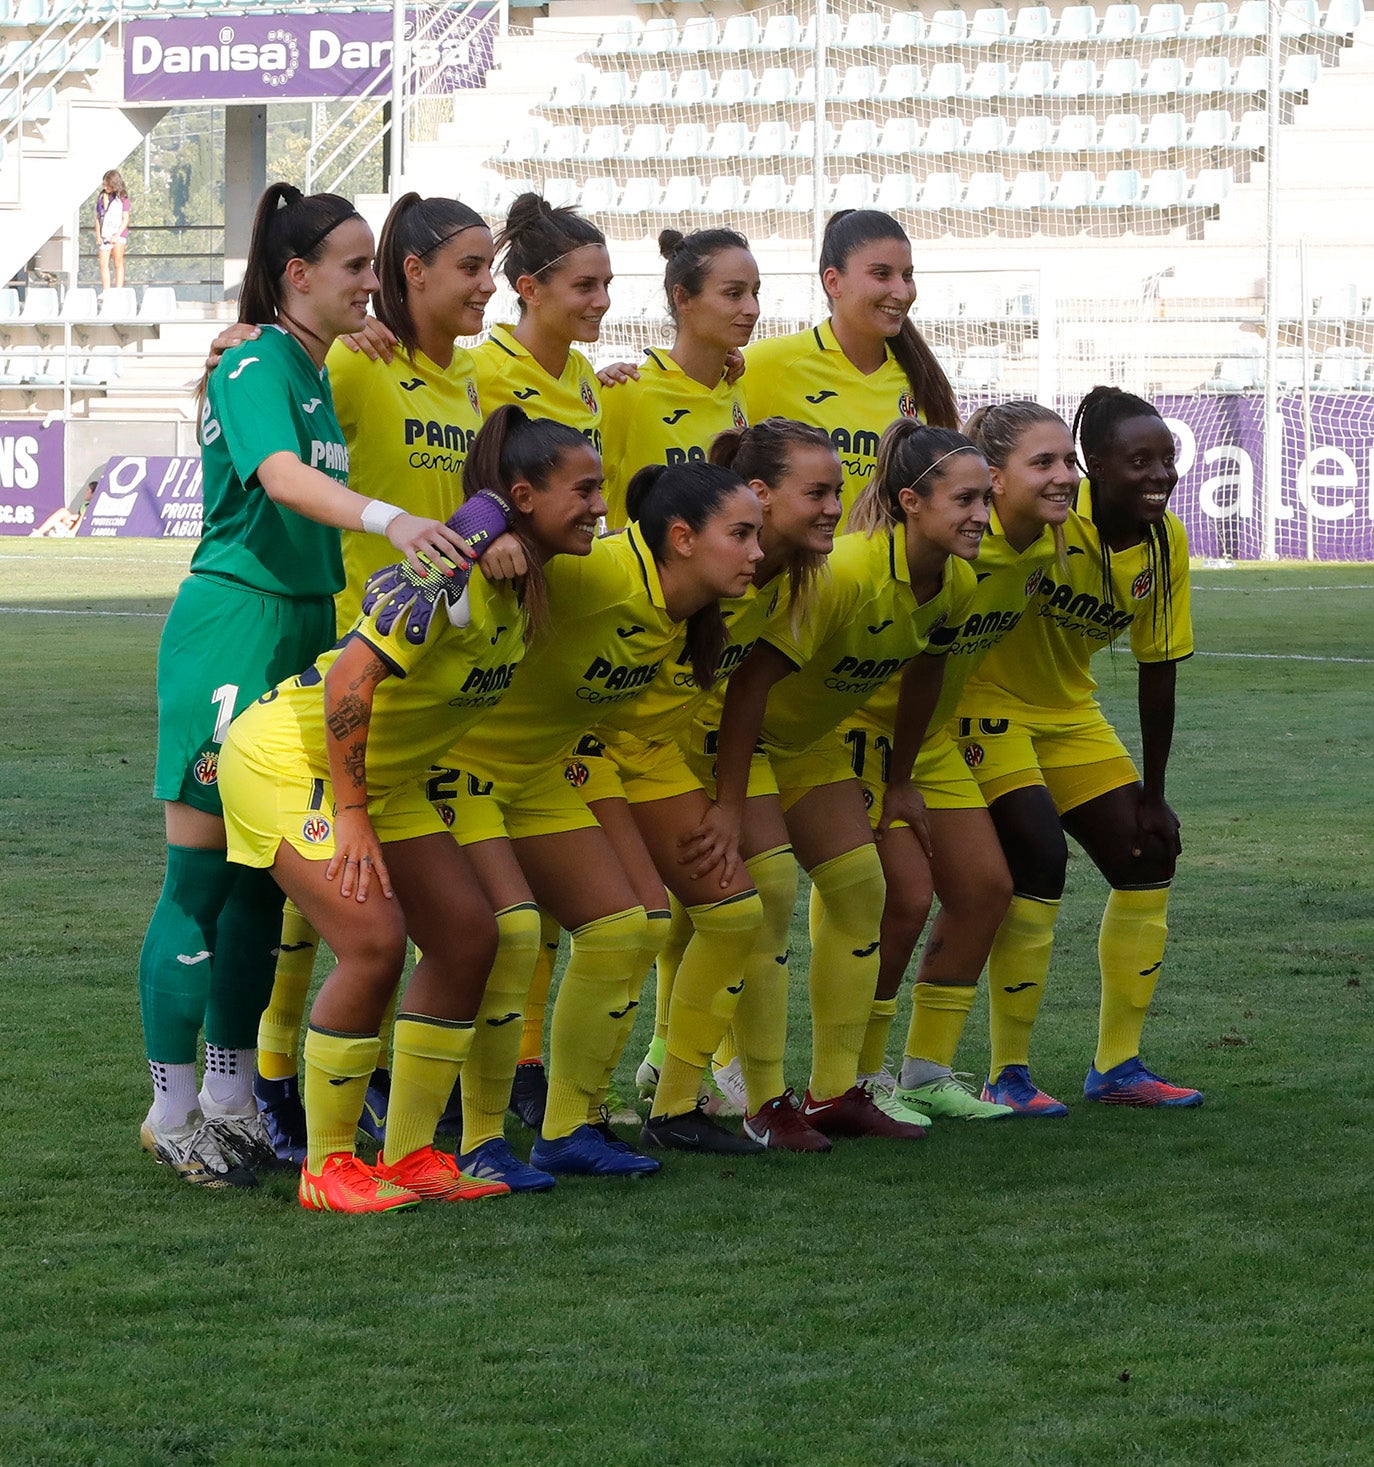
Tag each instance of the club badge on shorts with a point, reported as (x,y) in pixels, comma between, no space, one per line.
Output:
(316,829)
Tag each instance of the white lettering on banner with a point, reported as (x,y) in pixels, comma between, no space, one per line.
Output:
(182,477)
(275,56)
(327,50)
(1341,478)
(19,462)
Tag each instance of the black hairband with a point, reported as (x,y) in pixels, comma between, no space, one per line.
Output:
(304,251)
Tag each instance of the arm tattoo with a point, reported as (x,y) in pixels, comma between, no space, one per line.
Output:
(350,713)
(373,672)
(355,763)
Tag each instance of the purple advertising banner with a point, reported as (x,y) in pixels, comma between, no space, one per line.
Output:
(321,57)
(33,474)
(156,498)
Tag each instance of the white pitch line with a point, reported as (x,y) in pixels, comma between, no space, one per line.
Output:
(1287,657)
(1267,589)
(87,611)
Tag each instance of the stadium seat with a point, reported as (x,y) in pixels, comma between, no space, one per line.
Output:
(1164,189)
(1120,77)
(11,371)
(1077,133)
(159,303)
(1076,189)
(863,28)
(1164,77)
(729,141)
(1211,129)
(652,89)
(621,35)
(1121,23)
(989,27)
(740,33)
(639,197)
(700,33)
(689,140)
(572,90)
(599,194)
(980,369)
(858,136)
(903,82)
(693,87)
(1121,131)
(683,192)
(647,140)
(985,191)
(832,32)
(659,35)
(1299,18)
(1209,18)
(854,191)
(1240,373)
(1033,23)
(946,28)
(906,28)
(946,79)
(1300,73)
(1342,18)
(607,140)
(899,135)
(1338,303)
(1033,79)
(939,191)
(1211,187)
(767,194)
(1341,369)
(564,143)
(802,197)
(611,89)
(944,135)
(1163,22)
(986,135)
(724,195)
(81,303)
(1210,74)
(829,80)
(1120,189)
(1030,135)
(860,84)
(1252,131)
(96,369)
(804,142)
(526,142)
(1251,20)
(990,80)
(9,305)
(895,191)
(561,193)
(772,140)
(781,32)
(777,84)
(49,371)
(735,85)
(1076,23)
(1252,75)
(1076,78)
(40,305)
(1166,130)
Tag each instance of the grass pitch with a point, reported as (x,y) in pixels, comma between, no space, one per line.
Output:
(1161,1288)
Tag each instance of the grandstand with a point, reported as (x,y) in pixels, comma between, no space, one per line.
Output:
(1087,187)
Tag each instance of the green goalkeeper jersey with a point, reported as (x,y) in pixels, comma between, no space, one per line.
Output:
(267,396)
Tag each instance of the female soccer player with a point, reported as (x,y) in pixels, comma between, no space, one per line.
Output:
(867,364)
(621,614)
(353,738)
(681,398)
(1034,476)
(1049,762)
(256,607)
(888,592)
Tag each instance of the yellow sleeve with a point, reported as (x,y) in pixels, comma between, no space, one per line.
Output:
(1165,633)
(618,405)
(831,603)
(353,378)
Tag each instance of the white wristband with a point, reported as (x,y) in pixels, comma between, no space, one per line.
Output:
(378,514)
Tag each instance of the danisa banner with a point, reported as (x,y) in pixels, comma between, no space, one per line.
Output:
(32,475)
(155,498)
(321,57)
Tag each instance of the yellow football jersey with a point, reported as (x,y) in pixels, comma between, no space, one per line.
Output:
(666,417)
(807,376)
(1006,581)
(862,626)
(435,692)
(409,425)
(610,635)
(506,372)
(1044,664)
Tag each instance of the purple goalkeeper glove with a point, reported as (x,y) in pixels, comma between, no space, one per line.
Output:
(398,591)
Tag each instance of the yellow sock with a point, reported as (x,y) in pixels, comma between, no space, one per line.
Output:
(760,1024)
(939,1012)
(1130,950)
(709,983)
(429,1054)
(536,1005)
(873,1056)
(279,1028)
(337,1069)
(657,922)
(847,897)
(593,1001)
(496,1039)
(1018,965)
(385,1032)
(669,959)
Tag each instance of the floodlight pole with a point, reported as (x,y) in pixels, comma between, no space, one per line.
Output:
(1272,496)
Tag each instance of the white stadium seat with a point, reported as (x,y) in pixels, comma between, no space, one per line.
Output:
(1033,79)
(781,32)
(692,88)
(611,89)
(985,191)
(724,195)
(906,28)
(986,135)
(895,191)
(1211,129)
(1251,20)
(689,140)
(1120,189)
(700,33)
(81,303)
(1077,78)
(767,194)
(1164,189)
(564,143)
(682,193)
(659,35)
(1209,74)
(159,303)
(1033,23)
(1076,189)
(989,27)
(1120,23)
(832,32)
(772,140)
(1164,78)
(605,141)
(899,135)
(652,89)
(946,79)
(1120,77)
(1300,73)
(1120,131)
(854,191)
(861,84)
(830,81)
(946,28)
(648,140)
(863,28)
(944,135)
(858,136)
(940,191)
(729,141)
(777,84)
(599,194)
(734,86)
(1030,135)
(1252,131)
(740,33)
(640,196)
(1209,18)
(561,193)
(1077,133)
(990,80)
(1166,130)
(1211,187)
(1163,22)
(1030,189)
(1076,23)
(904,81)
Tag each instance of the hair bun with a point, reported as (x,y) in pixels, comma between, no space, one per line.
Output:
(670,241)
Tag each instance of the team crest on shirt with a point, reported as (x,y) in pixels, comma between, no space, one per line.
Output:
(937,623)
(737,413)
(576,773)
(973,755)
(206,768)
(316,829)
(446,814)
(1032,583)
(906,405)
(472,399)
(1143,585)
(588,396)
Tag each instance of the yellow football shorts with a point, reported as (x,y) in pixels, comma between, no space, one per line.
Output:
(491,804)
(1076,755)
(941,775)
(699,751)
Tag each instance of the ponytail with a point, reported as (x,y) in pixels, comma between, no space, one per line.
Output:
(911,455)
(655,498)
(689,259)
(536,236)
(845,232)
(511,446)
(419,227)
